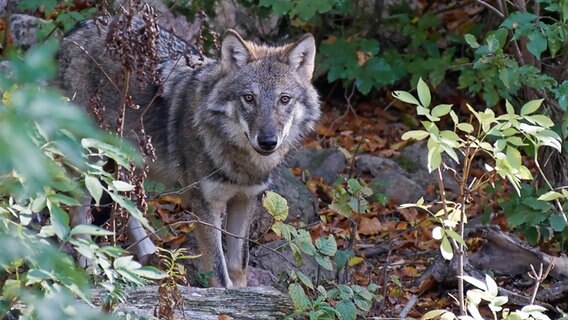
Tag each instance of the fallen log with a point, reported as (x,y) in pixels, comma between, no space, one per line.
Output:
(506,255)
(211,303)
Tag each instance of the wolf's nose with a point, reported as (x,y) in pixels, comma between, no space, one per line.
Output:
(267,143)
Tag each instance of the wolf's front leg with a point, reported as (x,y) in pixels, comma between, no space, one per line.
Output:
(210,243)
(240,211)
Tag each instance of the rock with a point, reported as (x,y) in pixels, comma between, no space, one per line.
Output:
(389,178)
(210,303)
(233,15)
(324,163)
(23,29)
(416,156)
(263,258)
(189,31)
(302,204)
(258,277)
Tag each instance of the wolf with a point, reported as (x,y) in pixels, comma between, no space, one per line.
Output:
(219,127)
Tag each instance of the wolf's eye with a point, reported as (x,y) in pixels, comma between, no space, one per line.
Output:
(248,97)
(285,99)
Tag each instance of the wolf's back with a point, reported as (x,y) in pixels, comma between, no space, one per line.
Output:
(87,68)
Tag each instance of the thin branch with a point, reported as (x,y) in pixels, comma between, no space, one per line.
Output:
(490,7)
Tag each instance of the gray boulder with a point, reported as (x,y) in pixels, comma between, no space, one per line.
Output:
(266,259)
(324,163)
(389,178)
(416,156)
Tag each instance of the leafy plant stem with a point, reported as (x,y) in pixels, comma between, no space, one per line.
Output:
(457,248)
(538,277)
(556,201)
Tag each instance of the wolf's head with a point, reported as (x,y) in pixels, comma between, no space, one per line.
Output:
(267,91)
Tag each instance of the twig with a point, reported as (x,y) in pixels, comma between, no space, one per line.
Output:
(556,201)
(409,305)
(490,7)
(538,277)
(350,108)
(386,266)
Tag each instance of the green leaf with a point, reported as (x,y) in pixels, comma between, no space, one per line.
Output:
(550,196)
(279,7)
(421,111)
(341,258)
(537,43)
(34,276)
(346,310)
(441,110)
(456,236)
(514,157)
(149,272)
(126,262)
(296,252)
(129,206)
(518,18)
(61,198)
(434,314)
(554,36)
(306,9)
(326,245)
(362,304)
(324,262)
(304,241)
(353,186)
(89,229)
(405,97)
(305,279)
(424,93)
(95,188)
(345,292)
(516,141)
(531,107)
(509,107)
(299,297)
(446,249)
(48,5)
(108,150)
(122,186)
(558,222)
(540,120)
(59,220)
(39,203)
(450,152)
(434,158)
(276,205)
(517,218)
(465,127)
(415,134)
(549,138)
(471,41)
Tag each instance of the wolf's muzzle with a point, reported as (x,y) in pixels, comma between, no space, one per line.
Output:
(267,142)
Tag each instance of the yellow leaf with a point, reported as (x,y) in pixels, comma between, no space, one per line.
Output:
(353,261)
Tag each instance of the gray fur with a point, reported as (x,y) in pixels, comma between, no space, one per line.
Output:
(203,127)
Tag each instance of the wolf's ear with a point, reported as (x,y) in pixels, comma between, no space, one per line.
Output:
(234,51)
(301,56)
